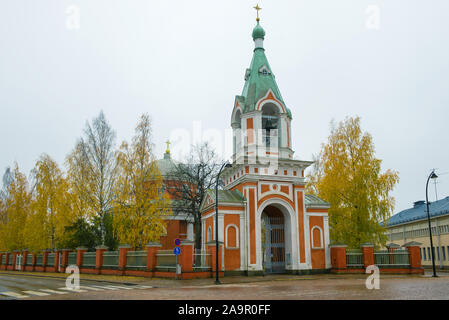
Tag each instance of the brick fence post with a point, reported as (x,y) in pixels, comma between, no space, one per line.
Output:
(368,254)
(65,259)
(14,259)
(391,248)
(33,262)
(24,259)
(186,256)
(152,249)
(99,258)
(45,259)
(413,248)
(56,260)
(7,254)
(1,260)
(338,256)
(79,256)
(122,252)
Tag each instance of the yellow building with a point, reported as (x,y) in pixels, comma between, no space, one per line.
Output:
(411,225)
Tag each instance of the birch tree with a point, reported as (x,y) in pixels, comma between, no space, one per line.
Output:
(17,210)
(93,169)
(141,204)
(348,176)
(50,206)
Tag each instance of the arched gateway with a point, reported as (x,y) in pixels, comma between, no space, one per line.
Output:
(274,254)
(266,222)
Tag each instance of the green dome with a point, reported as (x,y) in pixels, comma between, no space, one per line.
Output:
(258,32)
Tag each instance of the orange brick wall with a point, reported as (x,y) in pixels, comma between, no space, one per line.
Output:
(317,255)
(232,256)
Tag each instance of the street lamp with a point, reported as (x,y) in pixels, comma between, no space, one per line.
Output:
(431,176)
(227,165)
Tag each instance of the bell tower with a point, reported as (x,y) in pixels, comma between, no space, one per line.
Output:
(260,120)
(266,222)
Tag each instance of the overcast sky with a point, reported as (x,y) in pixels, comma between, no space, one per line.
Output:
(184,61)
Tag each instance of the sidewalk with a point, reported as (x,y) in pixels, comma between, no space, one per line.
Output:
(172,283)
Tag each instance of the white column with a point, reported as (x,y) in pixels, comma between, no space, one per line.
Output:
(221,227)
(190,231)
(327,242)
(242,231)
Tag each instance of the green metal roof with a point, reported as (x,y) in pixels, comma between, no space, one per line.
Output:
(257,83)
(233,196)
(312,200)
(166,165)
(258,32)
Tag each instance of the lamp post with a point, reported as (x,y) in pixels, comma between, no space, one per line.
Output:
(431,176)
(227,165)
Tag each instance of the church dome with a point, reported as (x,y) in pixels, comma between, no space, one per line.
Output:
(258,32)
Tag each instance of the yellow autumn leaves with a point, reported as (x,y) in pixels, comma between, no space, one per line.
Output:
(141,203)
(348,176)
(124,183)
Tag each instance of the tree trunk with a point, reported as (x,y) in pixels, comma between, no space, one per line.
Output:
(198,238)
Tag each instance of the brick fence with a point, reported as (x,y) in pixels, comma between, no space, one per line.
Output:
(121,262)
(393,260)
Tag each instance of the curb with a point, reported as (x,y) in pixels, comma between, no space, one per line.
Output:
(61,277)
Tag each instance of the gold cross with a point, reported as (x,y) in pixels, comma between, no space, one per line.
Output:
(257,9)
(168,146)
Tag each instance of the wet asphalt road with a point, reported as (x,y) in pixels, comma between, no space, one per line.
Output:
(32,286)
(328,287)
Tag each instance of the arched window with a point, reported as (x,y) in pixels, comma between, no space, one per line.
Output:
(270,123)
(209,234)
(232,236)
(317,238)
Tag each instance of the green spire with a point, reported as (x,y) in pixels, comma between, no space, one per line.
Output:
(259,78)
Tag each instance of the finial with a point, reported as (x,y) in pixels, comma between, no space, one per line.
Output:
(257,9)
(168,146)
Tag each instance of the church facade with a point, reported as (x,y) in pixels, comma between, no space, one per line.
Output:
(266,222)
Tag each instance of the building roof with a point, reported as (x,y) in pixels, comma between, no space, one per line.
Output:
(418,212)
(233,196)
(312,200)
(166,165)
(259,78)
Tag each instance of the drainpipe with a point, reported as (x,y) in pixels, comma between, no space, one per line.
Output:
(246,235)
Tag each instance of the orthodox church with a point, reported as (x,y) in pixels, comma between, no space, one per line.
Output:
(266,222)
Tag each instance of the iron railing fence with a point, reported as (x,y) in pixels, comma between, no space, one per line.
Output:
(29,260)
(136,259)
(166,260)
(71,258)
(50,259)
(392,259)
(89,259)
(110,259)
(4,259)
(202,260)
(10,259)
(354,258)
(39,259)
